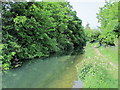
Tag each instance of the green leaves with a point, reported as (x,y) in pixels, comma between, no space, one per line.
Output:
(13,53)
(20,19)
(37,29)
(108,18)
(91,34)
(39,54)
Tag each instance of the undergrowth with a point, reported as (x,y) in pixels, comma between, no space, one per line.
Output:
(96,71)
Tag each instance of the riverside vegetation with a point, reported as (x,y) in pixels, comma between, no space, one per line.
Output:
(99,69)
(39,29)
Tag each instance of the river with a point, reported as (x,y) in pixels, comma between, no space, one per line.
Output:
(53,72)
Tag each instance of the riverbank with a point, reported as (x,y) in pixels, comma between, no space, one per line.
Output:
(53,72)
(96,68)
(99,68)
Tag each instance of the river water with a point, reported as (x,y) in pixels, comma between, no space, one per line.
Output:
(53,72)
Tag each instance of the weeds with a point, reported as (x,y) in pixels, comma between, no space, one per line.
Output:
(96,71)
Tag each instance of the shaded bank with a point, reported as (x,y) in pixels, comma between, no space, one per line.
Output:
(92,69)
(53,72)
(38,29)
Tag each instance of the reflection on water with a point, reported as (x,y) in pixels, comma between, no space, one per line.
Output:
(78,84)
(53,72)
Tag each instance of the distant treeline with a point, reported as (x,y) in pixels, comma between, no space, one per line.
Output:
(38,29)
(109,30)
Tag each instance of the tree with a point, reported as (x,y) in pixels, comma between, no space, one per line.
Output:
(39,29)
(108,18)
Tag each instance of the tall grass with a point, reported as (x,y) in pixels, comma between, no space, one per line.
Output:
(96,71)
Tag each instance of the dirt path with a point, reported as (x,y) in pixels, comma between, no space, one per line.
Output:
(105,58)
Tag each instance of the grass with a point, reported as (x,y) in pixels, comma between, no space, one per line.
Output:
(111,53)
(99,70)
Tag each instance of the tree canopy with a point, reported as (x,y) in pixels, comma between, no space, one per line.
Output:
(38,29)
(108,18)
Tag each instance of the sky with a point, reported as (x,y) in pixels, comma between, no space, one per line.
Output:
(86,11)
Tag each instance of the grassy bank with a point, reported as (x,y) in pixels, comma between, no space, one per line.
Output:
(99,69)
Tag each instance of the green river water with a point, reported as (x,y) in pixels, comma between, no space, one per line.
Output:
(53,72)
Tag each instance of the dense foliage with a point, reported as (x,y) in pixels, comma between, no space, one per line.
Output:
(109,31)
(39,29)
(110,27)
(91,34)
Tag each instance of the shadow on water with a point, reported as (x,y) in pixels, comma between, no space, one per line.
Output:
(57,71)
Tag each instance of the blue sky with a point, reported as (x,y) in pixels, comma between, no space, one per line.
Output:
(86,11)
